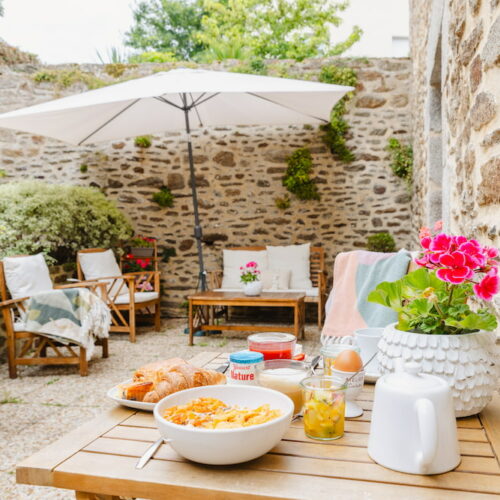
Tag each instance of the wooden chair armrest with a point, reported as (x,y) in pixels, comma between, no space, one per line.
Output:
(12,302)
(80,284)
(141,273)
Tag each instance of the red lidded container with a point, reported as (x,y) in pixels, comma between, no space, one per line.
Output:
(273,345)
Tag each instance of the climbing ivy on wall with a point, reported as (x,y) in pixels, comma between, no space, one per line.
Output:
(297,179)
(401,160)
(335,131)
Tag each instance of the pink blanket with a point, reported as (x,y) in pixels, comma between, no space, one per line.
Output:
(355,275)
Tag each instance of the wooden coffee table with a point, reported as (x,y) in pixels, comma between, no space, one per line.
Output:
(204,300)
(98,462)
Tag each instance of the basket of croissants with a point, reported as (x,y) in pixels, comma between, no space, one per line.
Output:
(157,380)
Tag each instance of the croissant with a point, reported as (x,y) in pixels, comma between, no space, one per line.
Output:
(154,381)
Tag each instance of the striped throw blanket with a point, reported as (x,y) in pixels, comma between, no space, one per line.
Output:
(71,315)
(355,275)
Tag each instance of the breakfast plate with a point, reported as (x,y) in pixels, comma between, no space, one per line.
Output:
(114,394)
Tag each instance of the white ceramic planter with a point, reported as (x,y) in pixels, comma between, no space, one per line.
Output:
(253,288)
(469,362)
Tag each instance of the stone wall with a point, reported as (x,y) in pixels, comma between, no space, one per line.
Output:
(239,172)
(455,53)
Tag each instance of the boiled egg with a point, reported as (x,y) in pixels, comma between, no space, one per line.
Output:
(348,361)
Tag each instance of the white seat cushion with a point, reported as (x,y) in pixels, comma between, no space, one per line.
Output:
(294,257)
(96,265)
(19,326)
(309,292)
(234,259)
(138,297)
(27,275)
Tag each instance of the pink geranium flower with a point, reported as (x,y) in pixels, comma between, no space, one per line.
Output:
(488,287)
(251,264)
(455,268)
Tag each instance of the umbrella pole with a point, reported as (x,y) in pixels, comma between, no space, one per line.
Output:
(197,227)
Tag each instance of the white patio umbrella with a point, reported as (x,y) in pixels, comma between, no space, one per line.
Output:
(168,101)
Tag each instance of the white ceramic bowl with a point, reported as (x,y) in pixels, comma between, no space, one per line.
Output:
(226,446)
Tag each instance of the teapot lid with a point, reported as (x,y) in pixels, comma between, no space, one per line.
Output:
(409,376)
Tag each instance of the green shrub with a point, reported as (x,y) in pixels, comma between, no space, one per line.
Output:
(153,57)
(84,168)
(381,242)
(297,179)
(143,141)
(336,130)
(57,220)
(401,160)
(64,78)
(164,197)
(282,203)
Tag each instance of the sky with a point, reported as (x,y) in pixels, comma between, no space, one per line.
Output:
(71,31)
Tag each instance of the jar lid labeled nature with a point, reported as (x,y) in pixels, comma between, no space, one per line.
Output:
(246,357)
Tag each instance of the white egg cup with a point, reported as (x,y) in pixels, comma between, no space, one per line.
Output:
(354,387)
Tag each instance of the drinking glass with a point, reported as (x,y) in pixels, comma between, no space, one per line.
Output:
(324,407)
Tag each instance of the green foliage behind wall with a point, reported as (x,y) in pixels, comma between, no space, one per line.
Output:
(335,132)
(297,177)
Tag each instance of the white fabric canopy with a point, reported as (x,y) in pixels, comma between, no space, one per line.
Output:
(139,106)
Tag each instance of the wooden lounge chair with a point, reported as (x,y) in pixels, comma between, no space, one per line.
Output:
(126,294)
(31,275)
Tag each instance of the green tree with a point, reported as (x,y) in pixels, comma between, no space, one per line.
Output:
(274,28)
(1,8)
(166,26)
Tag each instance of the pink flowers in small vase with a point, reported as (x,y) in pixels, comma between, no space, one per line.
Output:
(249,272)
(458,260)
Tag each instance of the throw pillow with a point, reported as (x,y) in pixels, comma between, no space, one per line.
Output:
(276,279)
(294,257)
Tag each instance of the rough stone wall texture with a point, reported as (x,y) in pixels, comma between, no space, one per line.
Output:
(455,52)
(239,173)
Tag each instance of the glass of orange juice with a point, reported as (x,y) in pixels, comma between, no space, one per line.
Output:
(324,407)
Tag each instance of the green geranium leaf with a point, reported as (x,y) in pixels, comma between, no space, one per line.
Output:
(387,294)
(482,320)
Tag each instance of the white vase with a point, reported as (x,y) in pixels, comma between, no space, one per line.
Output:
(468,362)
(252,288)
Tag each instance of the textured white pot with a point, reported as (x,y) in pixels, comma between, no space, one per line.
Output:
(469,362)
(252,288)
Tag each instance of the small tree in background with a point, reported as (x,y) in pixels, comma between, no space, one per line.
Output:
(167,26)
(277,29)
(239,29)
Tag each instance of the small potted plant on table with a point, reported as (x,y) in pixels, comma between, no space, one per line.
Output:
(250,277)
(437,327)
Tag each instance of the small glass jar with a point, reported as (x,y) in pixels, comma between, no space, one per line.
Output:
(324,408)
(284,375)
(330,353)
(273,345)
(243,367)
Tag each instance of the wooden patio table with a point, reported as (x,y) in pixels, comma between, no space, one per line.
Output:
(239,299)
(98,462)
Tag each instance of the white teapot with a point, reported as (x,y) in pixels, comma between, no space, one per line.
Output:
(413,426)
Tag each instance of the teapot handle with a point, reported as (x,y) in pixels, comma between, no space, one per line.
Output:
(427,426)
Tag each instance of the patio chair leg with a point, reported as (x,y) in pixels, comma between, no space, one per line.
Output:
(11,356)
(131,324)
(320,315)
(105,348)
(84,367)
(157,318)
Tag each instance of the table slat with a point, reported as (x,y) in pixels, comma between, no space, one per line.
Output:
(111,474)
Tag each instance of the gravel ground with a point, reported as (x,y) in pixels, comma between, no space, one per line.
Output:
(44,403)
